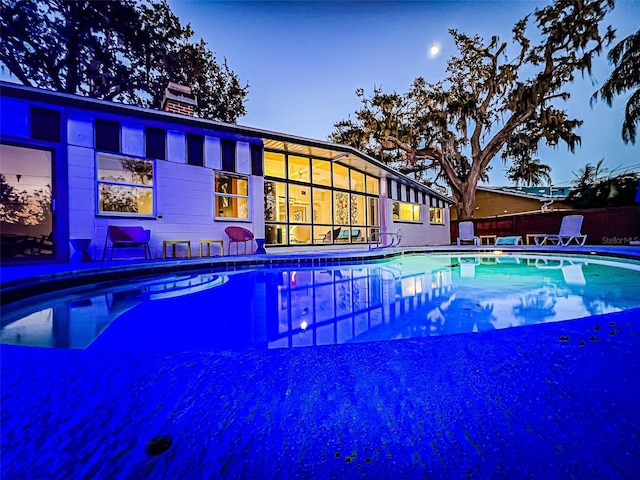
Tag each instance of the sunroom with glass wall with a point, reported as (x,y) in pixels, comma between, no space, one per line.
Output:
(311,200)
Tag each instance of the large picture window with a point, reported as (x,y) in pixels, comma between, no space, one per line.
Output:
(341,205)
(231,196)
(125,185)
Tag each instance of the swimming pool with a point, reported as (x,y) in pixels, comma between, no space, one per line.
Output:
(409,296)
(552,399)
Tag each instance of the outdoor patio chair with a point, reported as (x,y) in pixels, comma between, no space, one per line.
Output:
(569,232)
(127,237)
(468,266)
(237,235)
(466,233)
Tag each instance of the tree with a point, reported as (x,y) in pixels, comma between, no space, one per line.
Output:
(489,104)
(625,56)
(114,50)
(529,173)
(170,56)
(74,47)
(594,188)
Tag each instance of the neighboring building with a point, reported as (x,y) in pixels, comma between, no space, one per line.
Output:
(70,166)
(494,202)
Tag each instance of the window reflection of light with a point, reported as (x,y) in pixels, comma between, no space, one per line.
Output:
(408,287)
(303,325)
(34,329)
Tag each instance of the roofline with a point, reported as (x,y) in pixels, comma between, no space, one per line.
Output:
(541,198)
(250,133)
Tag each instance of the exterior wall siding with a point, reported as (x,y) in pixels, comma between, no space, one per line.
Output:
(422,233)
(183,193)
(493,204)
(14,119)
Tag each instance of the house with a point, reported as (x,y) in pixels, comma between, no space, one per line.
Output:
(72,166)
(494,202)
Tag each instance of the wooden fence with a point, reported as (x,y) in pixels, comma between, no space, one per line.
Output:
(603,226)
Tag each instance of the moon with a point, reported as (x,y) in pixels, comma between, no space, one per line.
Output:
(434,50)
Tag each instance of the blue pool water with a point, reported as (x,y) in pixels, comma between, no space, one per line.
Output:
(410,296)
(168,356)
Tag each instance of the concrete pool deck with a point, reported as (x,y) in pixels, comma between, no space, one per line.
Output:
(557,400)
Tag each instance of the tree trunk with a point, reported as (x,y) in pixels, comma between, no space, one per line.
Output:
(467,201)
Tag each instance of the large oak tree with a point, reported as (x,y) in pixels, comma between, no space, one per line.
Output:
(494,102)
(120,50)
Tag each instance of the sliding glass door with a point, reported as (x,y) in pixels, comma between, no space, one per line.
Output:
(26,221)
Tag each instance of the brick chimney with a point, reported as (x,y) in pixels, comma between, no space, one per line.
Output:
(179,99)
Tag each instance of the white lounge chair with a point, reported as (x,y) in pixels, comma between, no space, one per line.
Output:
(569,232)
(468,266)
(466,233)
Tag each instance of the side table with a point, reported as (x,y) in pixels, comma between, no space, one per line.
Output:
(260,242)
(208,243)
(173,244)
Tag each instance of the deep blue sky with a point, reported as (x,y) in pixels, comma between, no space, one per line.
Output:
(304,60)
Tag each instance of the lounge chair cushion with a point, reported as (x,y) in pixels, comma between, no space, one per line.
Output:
(511,240)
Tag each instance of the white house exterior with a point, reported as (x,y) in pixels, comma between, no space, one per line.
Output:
(71,166)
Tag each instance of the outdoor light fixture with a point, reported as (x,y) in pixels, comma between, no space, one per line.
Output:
(339,156)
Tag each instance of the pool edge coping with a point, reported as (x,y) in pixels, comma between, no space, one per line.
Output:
(76,275)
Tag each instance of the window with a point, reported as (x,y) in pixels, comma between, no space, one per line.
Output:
(231,196)
(372,211)
(275,206)
(195,149)
(322,206)
(340,176)
(155,143)
(341,208)
(256,160)
(228,155)
(358,211)
(436,215)
(274,164)
(299,169)
(45,124)
(107,135)
(125,185)
(321,172)
(408,212)
(299,204)
(372,185)
(357,181)
(341,205)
